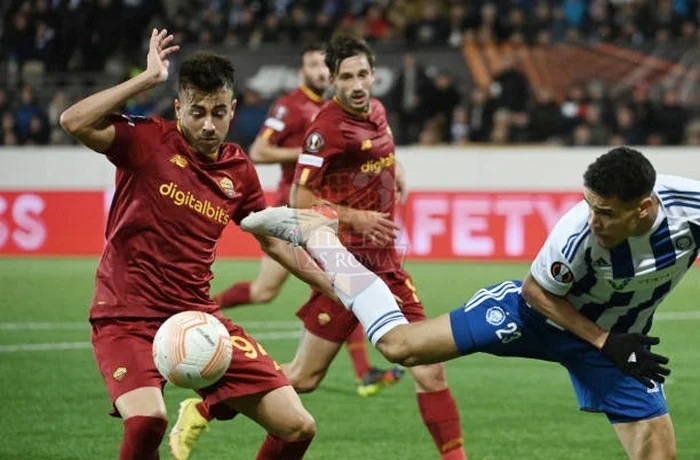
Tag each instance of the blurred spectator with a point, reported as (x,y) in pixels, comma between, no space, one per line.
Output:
(625,126)
(410,91)
(510,87)
(599,133)
(480,115)
(431,29)
(670,119)
(545,116)
(443,97)
(459,131)
(26,110)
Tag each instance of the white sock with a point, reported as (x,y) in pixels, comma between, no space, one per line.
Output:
(360,290)
(376,308)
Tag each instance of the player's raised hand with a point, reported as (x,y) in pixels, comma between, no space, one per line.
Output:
(377,226)
(159,49)
(630,353)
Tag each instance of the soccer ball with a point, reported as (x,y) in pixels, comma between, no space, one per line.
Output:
(192,349)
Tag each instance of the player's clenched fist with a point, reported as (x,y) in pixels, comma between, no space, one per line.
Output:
(159,49)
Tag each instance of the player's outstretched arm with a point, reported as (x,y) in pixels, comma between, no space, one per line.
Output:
(263,151)
(298,262)
(86,120)
(628,352)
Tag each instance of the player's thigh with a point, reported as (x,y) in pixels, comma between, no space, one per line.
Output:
(123,352)
(272,275)
(652,439)
(144,401)
(279,411)
(312,359)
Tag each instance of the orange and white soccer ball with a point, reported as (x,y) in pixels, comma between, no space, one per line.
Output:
(192,349)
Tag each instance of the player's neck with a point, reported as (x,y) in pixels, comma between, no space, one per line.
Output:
(311,93)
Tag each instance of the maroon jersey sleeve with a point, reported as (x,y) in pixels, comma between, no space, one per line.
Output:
(253,196)
(322,146)
(132,141)
(283,121)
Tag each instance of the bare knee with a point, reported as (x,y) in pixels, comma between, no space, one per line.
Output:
(303,381)
(430,377)
(396,347)
(300,428)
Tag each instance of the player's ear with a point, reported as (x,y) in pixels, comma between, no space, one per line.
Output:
(645,207)
(234,103)
(178,107)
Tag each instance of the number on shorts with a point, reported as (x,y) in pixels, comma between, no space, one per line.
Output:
(249,350)
(508,333)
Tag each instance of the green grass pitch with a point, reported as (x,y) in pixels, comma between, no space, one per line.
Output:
(54,405)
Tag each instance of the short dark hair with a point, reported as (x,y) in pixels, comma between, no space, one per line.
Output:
(344,46)
(622,173)
(207,72)
(311,48)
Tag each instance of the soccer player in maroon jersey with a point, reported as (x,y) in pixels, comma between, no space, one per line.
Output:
(348,163)
(178,185)
(279,141)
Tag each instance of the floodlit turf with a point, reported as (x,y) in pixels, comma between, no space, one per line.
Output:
(54,405)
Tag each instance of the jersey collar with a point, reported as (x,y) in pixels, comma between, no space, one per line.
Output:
(308,92)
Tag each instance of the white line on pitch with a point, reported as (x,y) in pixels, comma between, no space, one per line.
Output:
(16,347)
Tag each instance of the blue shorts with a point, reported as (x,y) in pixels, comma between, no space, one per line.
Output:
(497,320)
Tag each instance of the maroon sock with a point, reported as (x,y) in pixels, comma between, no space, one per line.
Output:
(203,409)
(440,415)
(142,437)
(356,346)
(274,448)
(233,296)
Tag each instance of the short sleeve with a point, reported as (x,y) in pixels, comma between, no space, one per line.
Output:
(322,145)
(132,140)
(253,196)
(561,258)
(280,123)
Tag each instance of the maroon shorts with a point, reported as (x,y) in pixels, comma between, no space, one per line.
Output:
(331,321)
(123,353)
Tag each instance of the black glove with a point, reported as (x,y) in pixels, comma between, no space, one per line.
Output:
(630,354)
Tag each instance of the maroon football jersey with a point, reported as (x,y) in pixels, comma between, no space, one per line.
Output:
(168,212)
(348,159)
(289,118)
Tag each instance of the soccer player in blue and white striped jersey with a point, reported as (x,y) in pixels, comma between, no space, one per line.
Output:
(588,301)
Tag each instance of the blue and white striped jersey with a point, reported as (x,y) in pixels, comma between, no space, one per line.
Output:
(620,288)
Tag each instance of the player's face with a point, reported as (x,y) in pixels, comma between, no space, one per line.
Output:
(314,72)
(205,117)
(612,221)
(353,80)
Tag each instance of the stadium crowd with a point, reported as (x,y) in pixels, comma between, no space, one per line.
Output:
(71,37)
